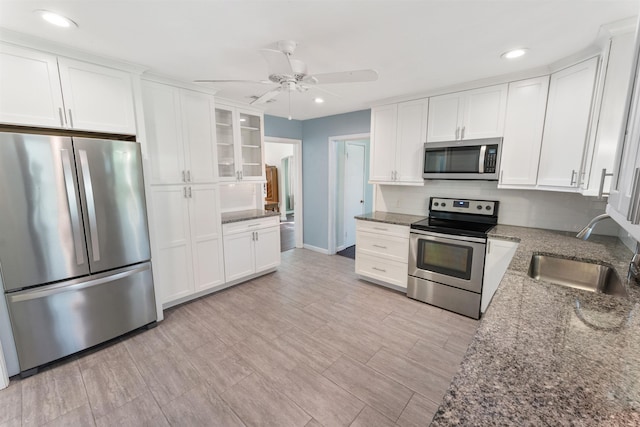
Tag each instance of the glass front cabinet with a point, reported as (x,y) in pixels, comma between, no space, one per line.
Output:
(239,139)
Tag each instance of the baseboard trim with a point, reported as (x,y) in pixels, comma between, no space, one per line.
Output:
(316,249)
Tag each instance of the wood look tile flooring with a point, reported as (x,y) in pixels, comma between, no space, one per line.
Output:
(308,345)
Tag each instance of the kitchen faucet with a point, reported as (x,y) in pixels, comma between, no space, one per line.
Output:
(586,232)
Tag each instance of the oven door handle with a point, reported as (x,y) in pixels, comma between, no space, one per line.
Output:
(439,236)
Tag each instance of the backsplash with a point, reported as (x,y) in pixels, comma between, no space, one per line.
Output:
(240,196)
(528,208)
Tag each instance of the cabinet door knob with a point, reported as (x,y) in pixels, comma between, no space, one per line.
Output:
(462,133)
(457,132)
(70,118)
(573,177)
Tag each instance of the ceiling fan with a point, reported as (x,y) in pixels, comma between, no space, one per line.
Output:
(291,74)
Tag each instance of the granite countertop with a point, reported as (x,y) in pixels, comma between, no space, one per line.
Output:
(229,217)
(537,359)
(390,218)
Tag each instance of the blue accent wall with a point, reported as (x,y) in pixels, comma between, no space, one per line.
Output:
(315,168)
(315,134)
(280,127)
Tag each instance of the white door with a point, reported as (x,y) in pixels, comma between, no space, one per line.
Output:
(267,248)
(239,255)
(523,131)
(97,98)
(206,236)
(384,123)
(566,125)
(29,88)
(411,136)
(164,132)
(445,117)
(353,189)
(198,134)
(172,261)
(484,111)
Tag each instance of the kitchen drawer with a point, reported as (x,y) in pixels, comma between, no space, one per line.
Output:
(383,228)
(250,225)
(389,247)
(378,268)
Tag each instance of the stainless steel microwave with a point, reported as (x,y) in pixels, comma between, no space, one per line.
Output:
(467,159)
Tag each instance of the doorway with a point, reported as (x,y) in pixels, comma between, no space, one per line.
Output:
(283,190)
(350,194)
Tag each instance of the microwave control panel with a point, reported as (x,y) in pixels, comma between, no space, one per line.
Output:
(476,207)
(490,159)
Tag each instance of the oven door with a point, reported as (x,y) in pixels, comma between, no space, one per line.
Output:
(451,260)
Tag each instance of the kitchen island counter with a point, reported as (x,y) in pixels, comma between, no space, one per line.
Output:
(544,354)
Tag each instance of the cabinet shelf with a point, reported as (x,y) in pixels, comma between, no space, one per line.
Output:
(250,146)
(225,143)
(224,124)
(251,164)
(249,128)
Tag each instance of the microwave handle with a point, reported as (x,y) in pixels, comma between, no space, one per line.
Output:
(483,150)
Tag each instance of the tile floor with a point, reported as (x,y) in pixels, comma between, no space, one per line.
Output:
(309,345)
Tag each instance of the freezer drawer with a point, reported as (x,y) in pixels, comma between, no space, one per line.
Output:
(54,321)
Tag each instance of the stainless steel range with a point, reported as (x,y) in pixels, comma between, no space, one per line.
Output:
(447,251)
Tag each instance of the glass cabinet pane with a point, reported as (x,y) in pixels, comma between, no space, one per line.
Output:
(224,135)
(251,145)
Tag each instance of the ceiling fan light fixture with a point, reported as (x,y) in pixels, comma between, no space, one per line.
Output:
(55,18)
(318,100)
(514,53)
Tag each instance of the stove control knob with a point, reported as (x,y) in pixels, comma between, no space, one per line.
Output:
(436,204)
(443,204)
(479,207)
(488,207)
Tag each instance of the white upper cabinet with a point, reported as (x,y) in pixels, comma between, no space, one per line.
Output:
(30,91)
(611,115)
(42,90)
(97,98)
(180,134)
(567,125)
(398,133)
(477,113)
(240,144)
(384,126)
(523,127)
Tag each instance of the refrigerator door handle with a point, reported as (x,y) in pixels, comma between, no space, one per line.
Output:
(46,291)
(91,206)
(72,201)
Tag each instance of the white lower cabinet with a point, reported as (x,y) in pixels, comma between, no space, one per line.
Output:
(251,247)
(187,240)
(497,260)
(382,252)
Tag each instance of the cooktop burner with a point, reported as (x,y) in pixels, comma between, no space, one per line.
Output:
(462,217)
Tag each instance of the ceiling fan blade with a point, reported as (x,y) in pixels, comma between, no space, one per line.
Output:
(278,62)
(264,82)
(266,96)
(343,77)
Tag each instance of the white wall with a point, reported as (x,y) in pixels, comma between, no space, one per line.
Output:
(240,197)
(275,152)
(528,208)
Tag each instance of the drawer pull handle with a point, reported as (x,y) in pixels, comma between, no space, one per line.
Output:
(379,269)
(379,246)
(380,228)
(254,225)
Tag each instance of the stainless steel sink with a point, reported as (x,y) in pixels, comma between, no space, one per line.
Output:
(577,274)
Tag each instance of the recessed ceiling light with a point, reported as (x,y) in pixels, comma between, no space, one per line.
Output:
(55,18)
(318,100)
(514,53)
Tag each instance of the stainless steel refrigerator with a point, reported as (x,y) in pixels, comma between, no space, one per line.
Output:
(74,244)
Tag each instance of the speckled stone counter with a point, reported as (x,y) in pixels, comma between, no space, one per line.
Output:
(545,354)
(229,217)
(391,218)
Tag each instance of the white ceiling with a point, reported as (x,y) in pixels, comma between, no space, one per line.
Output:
(416,46)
